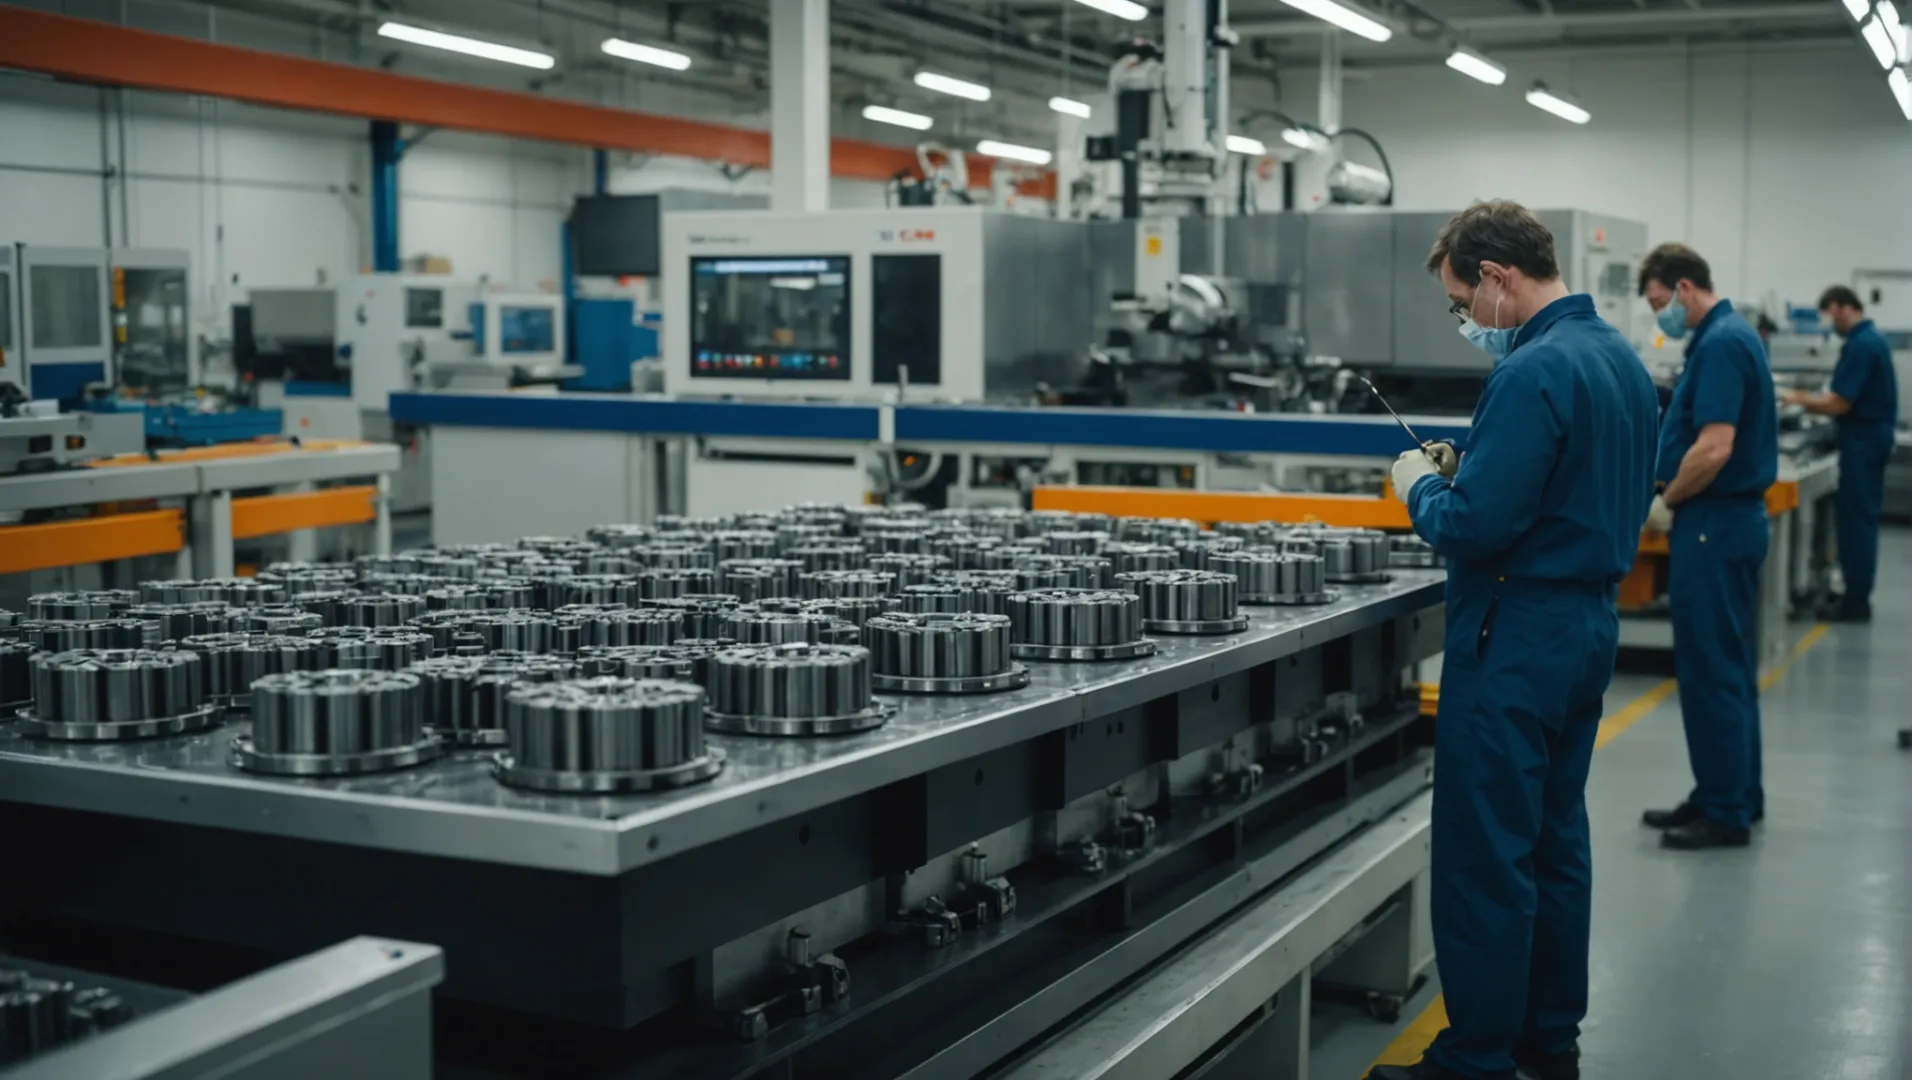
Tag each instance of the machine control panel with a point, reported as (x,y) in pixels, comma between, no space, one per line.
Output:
(771,317)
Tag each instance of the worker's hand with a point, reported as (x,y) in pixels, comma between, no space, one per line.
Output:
(1795,397)
(1446,458)
(1408,470)
(1660,517)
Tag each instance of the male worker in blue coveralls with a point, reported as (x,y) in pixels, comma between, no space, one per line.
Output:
(1719,452)
(1539,520)
(1864,401)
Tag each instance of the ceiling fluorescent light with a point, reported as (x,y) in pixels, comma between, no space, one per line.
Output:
(885,115)
(1894,29)
(1541,98)
(1475,66)
(1013,152)
(1884,49)
(944,84)
(1296,138)
(1242,144)
(1070,107)
(486,50)
(1901,90)
(1857,9)
(645,54)
(1354,22)
(1121,9)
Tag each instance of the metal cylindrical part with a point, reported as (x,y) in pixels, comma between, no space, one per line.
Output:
(234,661)
(753,626)
(517,630)
(1129,557)
(327,604)
(16,677)
(381,609)
(822,584)
(941,653)
(404,584)
(606,734)
(855,610)
(1075,617)
(900,537)
(1269,577)
(81,606)
(703,615)
(172,622)
(448,565)
(620,535)
(1073,571)
(792,689)
(638,662)
(743,544)
(1196,554)
(278,619)
(601,625)
(59,636)
(464,695)
(463,598)
(336,713)
(1186,601)
(754,579)
(597,589)
(1156,530)
(839,555)
(607,562)
(665,556)
(669,582)
(699,651)
(105,694)
(1074,542)
(180,591)
(908,568)
(299,578)
(1409,550)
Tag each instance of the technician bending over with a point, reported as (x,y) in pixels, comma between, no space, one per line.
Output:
(1538,525)
(1864,401)
(1719,452)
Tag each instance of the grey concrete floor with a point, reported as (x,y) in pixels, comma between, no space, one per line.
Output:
(1787,960)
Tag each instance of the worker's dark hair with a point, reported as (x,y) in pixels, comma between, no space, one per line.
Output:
(1839,294)
(1670,264)
(1497,231)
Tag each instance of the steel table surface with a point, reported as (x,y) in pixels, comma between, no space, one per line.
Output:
(79,487)
(456,809)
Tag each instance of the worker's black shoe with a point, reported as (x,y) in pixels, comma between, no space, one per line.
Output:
(1704,833)
(1538,1065)
(1846,613)
(1683,814)
(1423,1069)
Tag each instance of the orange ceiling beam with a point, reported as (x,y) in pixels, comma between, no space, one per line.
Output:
(104,53)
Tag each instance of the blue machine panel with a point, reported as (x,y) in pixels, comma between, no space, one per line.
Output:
(64,382)
(579,412)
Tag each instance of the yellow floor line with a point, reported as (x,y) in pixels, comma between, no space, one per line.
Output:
(1418,1035)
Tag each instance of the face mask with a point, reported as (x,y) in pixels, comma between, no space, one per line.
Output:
(1672,319)
(1495,341)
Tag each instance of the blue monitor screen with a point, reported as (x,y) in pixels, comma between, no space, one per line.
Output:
(527,330)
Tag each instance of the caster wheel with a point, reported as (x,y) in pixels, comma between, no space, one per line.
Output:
(1905,738)
(1384,1008)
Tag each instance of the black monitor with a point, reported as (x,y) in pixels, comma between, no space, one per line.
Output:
(780,317)
(615,235)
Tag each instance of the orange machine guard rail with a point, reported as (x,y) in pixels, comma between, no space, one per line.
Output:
(1207,507)
(270,515)
(82,541)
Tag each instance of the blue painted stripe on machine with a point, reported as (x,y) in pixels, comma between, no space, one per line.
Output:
(1141,429)
(317,389)
(64,382)
(579,413)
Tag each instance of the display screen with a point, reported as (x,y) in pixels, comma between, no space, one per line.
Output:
(770,318)
(424,309)
(526,330)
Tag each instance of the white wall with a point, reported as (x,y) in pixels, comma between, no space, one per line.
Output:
(1785,166)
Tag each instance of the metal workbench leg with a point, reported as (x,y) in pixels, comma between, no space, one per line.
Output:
(382,521)
(212,534)
(302,545)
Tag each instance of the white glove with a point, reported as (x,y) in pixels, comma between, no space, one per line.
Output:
(1660,517)
(1445,456)
(1408,470)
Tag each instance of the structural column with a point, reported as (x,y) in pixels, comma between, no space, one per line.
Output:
(800,106)
(386,151)
(1330,91)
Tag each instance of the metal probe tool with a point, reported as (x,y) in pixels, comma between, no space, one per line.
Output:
(1425,446)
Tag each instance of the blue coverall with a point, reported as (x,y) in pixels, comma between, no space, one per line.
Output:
(1864,377)
(1538,527)
(1717,547)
